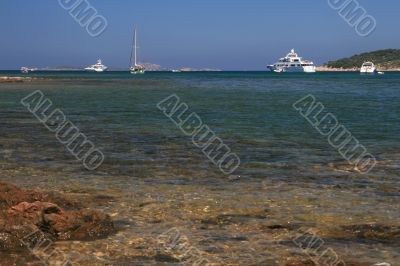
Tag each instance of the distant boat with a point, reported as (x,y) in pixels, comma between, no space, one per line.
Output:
(368,68)
(135,68)
(98,67)
(24,70)
(27,70)
(381,73)
(292,63)
(176,71)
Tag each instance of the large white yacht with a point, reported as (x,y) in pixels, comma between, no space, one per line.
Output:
(368,67)
(292,63)
(98,67)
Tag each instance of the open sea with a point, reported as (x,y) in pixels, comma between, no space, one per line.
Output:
(153,179)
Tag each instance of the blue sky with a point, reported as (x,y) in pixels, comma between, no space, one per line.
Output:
(225,34)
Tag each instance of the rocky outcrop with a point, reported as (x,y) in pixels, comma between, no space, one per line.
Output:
(18,79)
(333,69)
(378,232)
(25,213)
(354,69)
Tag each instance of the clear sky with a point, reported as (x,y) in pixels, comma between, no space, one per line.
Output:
(225,34)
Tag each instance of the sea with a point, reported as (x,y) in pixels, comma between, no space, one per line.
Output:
(291,182)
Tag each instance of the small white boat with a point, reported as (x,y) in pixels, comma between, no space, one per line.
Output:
(381,73)
(135,67)
(98,67)
(292,63)
(24,70)
(27,69)
(368,68)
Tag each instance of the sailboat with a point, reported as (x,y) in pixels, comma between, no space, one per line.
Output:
(135,68)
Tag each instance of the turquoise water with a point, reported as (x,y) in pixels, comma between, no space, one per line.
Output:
(289,174)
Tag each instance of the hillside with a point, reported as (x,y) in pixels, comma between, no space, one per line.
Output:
(388,59)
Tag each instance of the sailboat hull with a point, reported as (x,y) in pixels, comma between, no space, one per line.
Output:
(138,71)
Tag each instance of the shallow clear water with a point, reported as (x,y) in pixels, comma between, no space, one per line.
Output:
(290,178)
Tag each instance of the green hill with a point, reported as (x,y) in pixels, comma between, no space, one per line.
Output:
(384,59)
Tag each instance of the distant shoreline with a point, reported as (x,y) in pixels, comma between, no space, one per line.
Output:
(356,69)
(21,77)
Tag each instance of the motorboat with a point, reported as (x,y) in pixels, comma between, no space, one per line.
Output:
(98,67)
(292,63)
(368,68)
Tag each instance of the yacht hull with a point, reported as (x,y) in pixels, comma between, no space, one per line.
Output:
(95,70)
(367,71)
(292,69)
(137,72)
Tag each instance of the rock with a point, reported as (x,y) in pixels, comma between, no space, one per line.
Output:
(311,263)
(226,219)
(300,263)
(24,213)
(33,212)
(18,79)
(374,231)
(11,195)
(80,225)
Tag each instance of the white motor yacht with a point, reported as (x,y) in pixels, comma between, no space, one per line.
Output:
(98,67)
(27,69)
(292,63)
(368,68)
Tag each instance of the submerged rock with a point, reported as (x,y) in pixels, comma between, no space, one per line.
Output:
(25,213)
(312,263)
(374,231)
(11,195)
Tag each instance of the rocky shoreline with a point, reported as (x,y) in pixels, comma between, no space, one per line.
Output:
(355,69)
(5,79)
(25,215)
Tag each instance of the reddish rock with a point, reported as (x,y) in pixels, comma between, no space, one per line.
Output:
(23,212)
(11,195)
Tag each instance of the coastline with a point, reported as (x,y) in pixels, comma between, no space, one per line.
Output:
(355,69)
(7,79)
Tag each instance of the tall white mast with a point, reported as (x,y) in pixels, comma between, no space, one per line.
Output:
(135,48)
(133,51)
